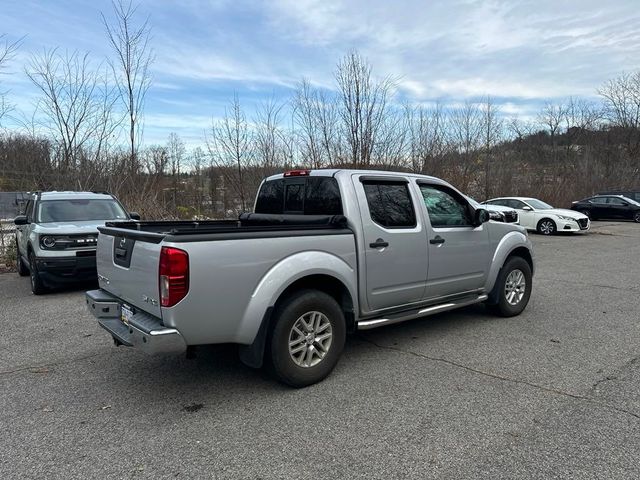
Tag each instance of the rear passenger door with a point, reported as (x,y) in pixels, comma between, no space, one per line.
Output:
(394,241)
(459,253)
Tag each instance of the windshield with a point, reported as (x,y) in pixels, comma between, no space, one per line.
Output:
(538,204)
(79,210)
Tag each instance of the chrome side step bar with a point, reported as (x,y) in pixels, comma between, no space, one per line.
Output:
(424,312)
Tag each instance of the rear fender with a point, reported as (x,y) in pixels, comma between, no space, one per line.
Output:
(281,276)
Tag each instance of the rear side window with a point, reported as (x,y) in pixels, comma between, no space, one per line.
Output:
(308,196)
(390,204)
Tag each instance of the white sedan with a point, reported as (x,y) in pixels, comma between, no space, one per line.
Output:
(536,215)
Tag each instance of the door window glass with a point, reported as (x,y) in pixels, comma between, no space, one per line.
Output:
(444,207)
(615,201)
(599,200)
(390,204)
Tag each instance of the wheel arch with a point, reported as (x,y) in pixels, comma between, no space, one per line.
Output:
(512,244)
(322,271)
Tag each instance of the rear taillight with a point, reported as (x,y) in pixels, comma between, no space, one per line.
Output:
(173,276)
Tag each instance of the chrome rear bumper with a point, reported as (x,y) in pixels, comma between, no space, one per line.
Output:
(142,331)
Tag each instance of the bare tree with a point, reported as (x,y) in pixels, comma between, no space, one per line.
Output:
(130,43)
(7,51)
(622,100)
(76,104)
(175,152)
(229,146)
(551,117)
(363,107)
(270,149)
(427,141)
(316,116)
(492,130)
(466,131)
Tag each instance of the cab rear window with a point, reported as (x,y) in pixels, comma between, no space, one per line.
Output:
(300,196)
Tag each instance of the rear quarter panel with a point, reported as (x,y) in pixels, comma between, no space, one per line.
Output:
(234,282)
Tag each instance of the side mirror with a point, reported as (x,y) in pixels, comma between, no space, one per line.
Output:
(480,216)
(527,208)
(21,220)
(134,215)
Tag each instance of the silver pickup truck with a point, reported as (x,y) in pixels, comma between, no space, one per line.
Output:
(327,252)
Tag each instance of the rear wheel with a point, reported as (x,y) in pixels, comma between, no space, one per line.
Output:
(37,286)
(307,338)
(23,271)
(513,288)
(546,226)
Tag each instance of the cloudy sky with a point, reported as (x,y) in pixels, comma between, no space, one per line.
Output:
(522,53)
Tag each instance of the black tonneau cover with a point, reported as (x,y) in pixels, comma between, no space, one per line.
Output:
(248,225)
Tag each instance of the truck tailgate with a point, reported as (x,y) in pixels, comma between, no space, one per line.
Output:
(128,268)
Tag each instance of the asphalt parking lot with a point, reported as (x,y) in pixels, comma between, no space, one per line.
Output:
(553,393)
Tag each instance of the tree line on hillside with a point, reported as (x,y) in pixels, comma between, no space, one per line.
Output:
(86,134)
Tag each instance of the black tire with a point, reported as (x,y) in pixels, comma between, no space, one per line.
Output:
(546,226)
(23,271)
(502,305)
(636,217)
(586,212)
(287,315)
(37,286)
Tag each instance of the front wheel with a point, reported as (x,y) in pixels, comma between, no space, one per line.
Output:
(37,286)
(23,271)
(307,338)
(636,217)
(513,288)
(546,226)
(587,213)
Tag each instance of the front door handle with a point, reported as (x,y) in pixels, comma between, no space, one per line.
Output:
(437,240)
(379,243)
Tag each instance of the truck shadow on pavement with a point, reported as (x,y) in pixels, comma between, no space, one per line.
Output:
(216,371)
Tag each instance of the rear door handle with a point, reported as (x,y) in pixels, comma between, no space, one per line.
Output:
(379,243)
(436,240)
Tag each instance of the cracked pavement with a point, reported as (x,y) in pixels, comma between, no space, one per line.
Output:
(553,393)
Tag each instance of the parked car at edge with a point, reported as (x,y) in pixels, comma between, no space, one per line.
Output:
(497,213)
(541,217)
(56,237)
(614,207)
(327,252)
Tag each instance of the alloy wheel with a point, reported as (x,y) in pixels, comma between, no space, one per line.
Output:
(547,227)
(515,286)
(310,339)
